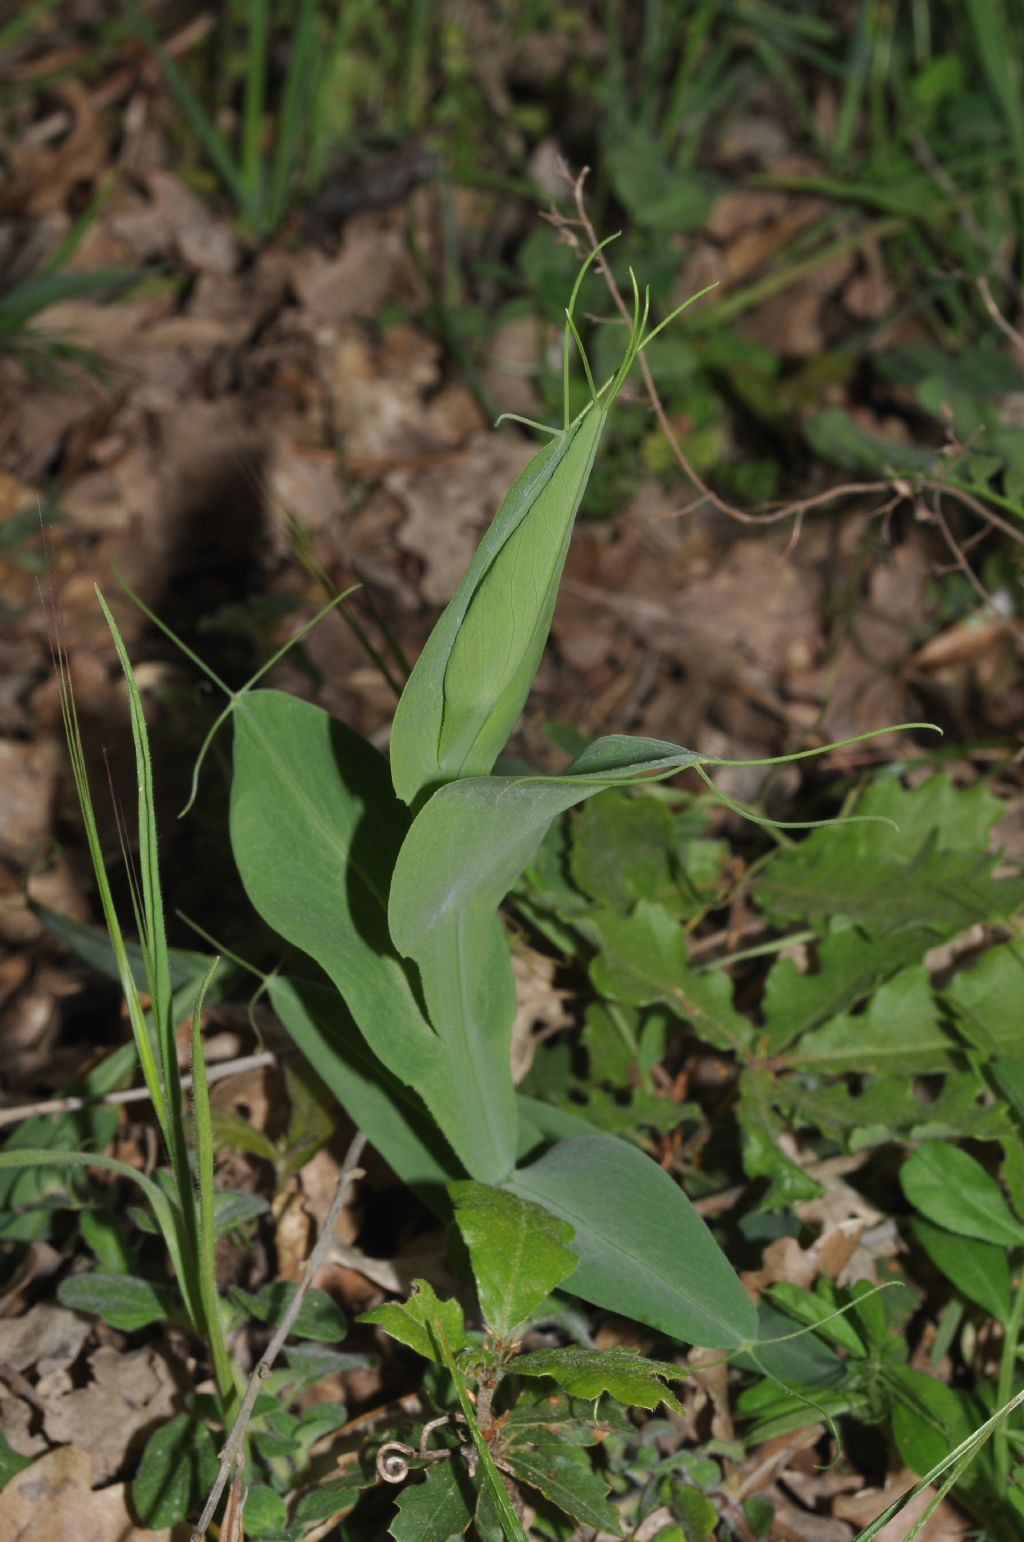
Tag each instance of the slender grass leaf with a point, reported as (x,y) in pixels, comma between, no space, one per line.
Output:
(517,1249)
(206,1253)
(643,1249)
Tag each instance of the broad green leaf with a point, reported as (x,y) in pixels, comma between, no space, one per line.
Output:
(265,1513)
(948,1186)
(164,1214)
(517,1250)
(319,1316)
(643,960)
(388,1110)
(928,1418)
(122,1300)
(464,851)
(439,1507)
(474,837)
(899,1031)
(979,1270)
(849,965)
(315,830)
(177,1468)
(643,1249)
(467,690)
(564,1474)
(233,1207)
(588,1373)
(621,851)
(411,1322)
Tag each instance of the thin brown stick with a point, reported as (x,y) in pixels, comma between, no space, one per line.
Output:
(770,513)
(216,1073)
(231,1455)
(956,550)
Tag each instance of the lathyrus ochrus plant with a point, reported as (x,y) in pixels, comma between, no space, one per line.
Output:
(392,884)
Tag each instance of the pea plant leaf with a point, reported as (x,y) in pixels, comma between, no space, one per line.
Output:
(463,853)
(589,1373)
(517,1249)
(315,830)
(949,1187)
(643,1249)
(470,682)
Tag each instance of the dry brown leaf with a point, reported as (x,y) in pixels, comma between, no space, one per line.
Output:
(129,1393)
(47,1337)
(946,1525)
(44,171)
(54,1499)
(367,269)
(538,1005)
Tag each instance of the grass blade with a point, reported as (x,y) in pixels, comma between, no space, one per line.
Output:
(254,103)
(206,1261)
(296,109)
(212,142)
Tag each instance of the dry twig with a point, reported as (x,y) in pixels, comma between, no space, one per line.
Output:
(231,1455)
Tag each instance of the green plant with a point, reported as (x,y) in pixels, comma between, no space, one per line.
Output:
(285,139)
